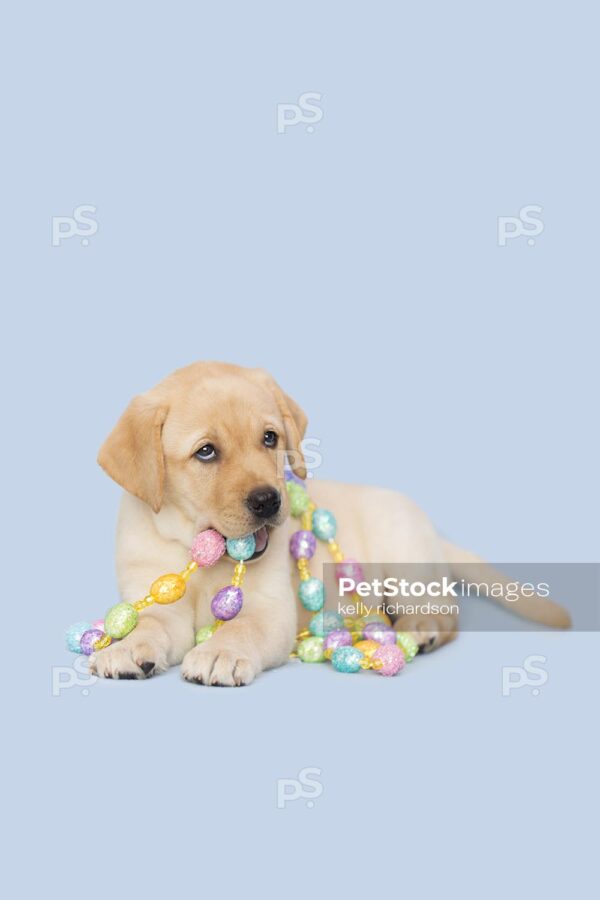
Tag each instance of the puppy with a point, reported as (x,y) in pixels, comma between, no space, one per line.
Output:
(204,449)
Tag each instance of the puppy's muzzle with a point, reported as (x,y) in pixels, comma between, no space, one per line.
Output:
(264,502)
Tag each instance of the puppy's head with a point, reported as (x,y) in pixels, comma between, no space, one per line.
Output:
(210,440)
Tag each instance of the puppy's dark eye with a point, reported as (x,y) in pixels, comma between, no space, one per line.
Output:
(270,439)
(206,453)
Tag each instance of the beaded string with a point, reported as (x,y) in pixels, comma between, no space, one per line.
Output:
(351,643)
(207,549)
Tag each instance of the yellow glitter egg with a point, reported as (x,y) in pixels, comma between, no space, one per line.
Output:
(367,647)
(168,588)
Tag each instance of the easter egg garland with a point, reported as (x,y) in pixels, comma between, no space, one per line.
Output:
(351,643)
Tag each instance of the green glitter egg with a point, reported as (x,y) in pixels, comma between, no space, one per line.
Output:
(120,620)
(407,644)
(310,650)
(203,634)
(299,499)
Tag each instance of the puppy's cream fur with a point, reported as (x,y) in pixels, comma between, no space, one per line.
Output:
(170,495)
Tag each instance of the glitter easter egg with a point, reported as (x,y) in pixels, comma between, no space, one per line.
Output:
(241,548)
(88,639)
(303,545)
(324,524)
(347,659)
(383,634)
(392,658)
(203,634)
(324,622)
(227,603)
(312,594)
(368,648)
(120,620)
(207,548)
(407,644)
(311,650)
(341,637)
(350,568)
(74,634)
(99,624)
(299,499)
(168,588)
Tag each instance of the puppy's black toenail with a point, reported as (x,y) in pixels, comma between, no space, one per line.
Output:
(147,667)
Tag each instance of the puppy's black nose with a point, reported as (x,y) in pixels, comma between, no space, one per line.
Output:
(264,502)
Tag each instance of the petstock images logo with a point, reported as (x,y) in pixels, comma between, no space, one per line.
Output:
(473,596)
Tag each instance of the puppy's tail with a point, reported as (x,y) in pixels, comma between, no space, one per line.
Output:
(464,564)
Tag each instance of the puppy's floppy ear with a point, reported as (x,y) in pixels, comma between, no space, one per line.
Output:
(294,421)
(133,455)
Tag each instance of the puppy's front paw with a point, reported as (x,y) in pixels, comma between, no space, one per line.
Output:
(130,658)
(215,664)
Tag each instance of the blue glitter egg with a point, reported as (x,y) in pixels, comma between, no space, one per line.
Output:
(312,594)
(241,548)
(74,633)
(347,659)
(324,524)
(325,621)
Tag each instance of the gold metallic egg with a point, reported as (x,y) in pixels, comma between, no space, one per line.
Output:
(168,588)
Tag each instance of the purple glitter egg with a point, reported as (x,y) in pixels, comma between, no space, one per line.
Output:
(303,544)
(383,634)
(88,639)
(341,637)
(227,603)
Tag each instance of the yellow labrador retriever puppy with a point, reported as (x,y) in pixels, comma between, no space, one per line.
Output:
(201,450)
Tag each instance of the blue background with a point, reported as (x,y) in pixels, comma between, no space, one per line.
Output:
(360,265)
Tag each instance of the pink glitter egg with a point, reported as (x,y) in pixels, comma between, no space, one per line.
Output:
(88,639)
(99,624)
(349,568)
(207,548)
(341,637)
(392,658)
(383,634)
